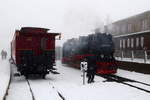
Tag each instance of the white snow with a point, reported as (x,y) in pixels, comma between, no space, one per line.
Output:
(69,84)
(19,88)
(4,76)
(134,75)
(43,90)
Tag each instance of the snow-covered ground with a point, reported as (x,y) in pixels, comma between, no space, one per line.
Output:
(4,77)
(19,88)
(41,88)
(69,84)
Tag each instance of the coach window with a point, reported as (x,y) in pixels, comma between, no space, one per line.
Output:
(120,44)
(142,41)
(137,42)
(132,42)
(128,42)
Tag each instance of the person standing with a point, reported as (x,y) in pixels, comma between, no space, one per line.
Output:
(5,54)
(91,68)
(2,54)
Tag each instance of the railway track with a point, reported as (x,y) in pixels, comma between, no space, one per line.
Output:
(125,81)
(31,88)
(13,89)
(31,91)
(41,89)
(60,95)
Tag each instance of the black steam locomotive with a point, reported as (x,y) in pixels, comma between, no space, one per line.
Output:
(98,45)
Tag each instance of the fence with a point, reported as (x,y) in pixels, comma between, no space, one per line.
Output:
(133,55)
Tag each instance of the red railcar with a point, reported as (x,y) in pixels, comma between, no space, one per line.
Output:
(33,50)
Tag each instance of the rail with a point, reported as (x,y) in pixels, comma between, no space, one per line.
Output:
(123,80)
(6,93)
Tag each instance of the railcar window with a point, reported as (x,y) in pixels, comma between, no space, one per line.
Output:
(132,42)
(137,42)
(142,41)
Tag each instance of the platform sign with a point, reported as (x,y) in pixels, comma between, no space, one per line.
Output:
(83,67)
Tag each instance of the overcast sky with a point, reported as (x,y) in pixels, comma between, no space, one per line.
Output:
(70,17)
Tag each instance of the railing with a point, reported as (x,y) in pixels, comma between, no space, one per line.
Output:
(143,55)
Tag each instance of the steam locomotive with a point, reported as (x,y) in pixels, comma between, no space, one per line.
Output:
(98,45)
(33,51)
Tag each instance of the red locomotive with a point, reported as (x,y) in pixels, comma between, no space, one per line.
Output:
(33,51)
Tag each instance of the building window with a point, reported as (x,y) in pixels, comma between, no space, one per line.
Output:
(120,44)
(128,42)
(132,42)
(137,42)
(129,28)
(142,41)
(124,43)
(144,24)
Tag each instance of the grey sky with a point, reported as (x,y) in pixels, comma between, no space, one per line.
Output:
(70,17)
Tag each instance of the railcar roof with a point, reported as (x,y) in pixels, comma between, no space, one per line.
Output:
(34,28)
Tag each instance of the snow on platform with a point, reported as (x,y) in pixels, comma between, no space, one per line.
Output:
(41,88)
(19,88)
(4,77)
(69,84)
